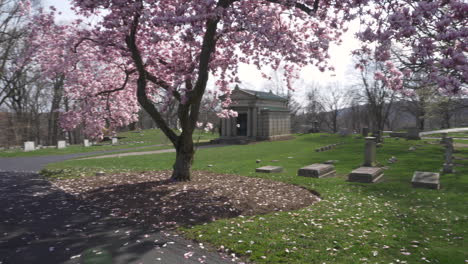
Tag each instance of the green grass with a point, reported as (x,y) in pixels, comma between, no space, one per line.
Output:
(455,135)
(387,222)
(128,140)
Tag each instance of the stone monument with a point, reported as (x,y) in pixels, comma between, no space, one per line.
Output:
(315,127)
(365,131)
(29,146)
(370,152)
(269,169)
(317,171)
(115,141)
(368,173)
(344,132)
(413,133)
(61,144)
(448,164)
(429,180)
(86,143)
(444,137)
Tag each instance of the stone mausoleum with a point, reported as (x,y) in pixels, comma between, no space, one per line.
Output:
(261,116)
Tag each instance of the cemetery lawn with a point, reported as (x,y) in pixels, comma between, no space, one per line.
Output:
(386,222)
(453,134)
(153,139)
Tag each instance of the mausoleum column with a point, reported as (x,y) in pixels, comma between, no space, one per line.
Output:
(254,122)
(223,127)
(249,122)
(228,127)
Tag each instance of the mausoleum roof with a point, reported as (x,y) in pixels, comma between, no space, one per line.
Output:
(265,95)
(274,109)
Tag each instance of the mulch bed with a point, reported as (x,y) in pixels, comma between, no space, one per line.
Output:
(150,198)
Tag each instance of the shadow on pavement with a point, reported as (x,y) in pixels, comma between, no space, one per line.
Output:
(42,224)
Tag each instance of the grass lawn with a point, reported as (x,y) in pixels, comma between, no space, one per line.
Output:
(128,140)
(387,222)
(454,135)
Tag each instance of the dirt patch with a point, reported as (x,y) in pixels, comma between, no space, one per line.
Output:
(150,198)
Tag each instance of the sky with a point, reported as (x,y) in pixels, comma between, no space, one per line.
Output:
(251,77)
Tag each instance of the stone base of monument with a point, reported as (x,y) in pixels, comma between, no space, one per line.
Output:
(366,175)
(430,180)
(448,168)
(317,171)
(269,169)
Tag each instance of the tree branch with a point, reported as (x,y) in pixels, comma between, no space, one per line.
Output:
(301,6)
(143,99)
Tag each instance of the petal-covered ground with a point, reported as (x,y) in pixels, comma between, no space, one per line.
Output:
(150,198)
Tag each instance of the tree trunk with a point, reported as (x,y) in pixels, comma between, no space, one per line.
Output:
(53,128)
(184,159)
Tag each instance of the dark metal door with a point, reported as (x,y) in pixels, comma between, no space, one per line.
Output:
(242,125)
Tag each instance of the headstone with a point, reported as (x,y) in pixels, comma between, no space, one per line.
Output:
(315,127)
(115,141)
(29,146)
(365,131)
(413,133)
(448,161)
(331,162)
(258,161)
(369,152)
(378,136)
(366,175)
(86,143)
(398,134)
(317,171)
(344,132)
(430,180)
(100,173)
(444,138)
(269,169)
(61,144)
(412,148)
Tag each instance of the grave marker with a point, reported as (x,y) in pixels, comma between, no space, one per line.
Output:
(366,175)
(413,133)
(61,144)
(29,146)
(430,180)
(317,171)
(369,152)
(269,169)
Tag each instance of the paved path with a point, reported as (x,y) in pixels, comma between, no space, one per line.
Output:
(450,130)
(149,152)
(40,223)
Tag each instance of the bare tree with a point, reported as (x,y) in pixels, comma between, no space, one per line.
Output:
(375,94)
(333,101)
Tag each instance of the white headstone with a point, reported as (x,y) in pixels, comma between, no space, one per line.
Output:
(86,143)
(61,144)
(115,141)
(29,146)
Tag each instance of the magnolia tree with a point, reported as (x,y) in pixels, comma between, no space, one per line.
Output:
(423,37)
(141,50)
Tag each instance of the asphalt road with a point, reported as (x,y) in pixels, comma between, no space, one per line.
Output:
(40,223)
